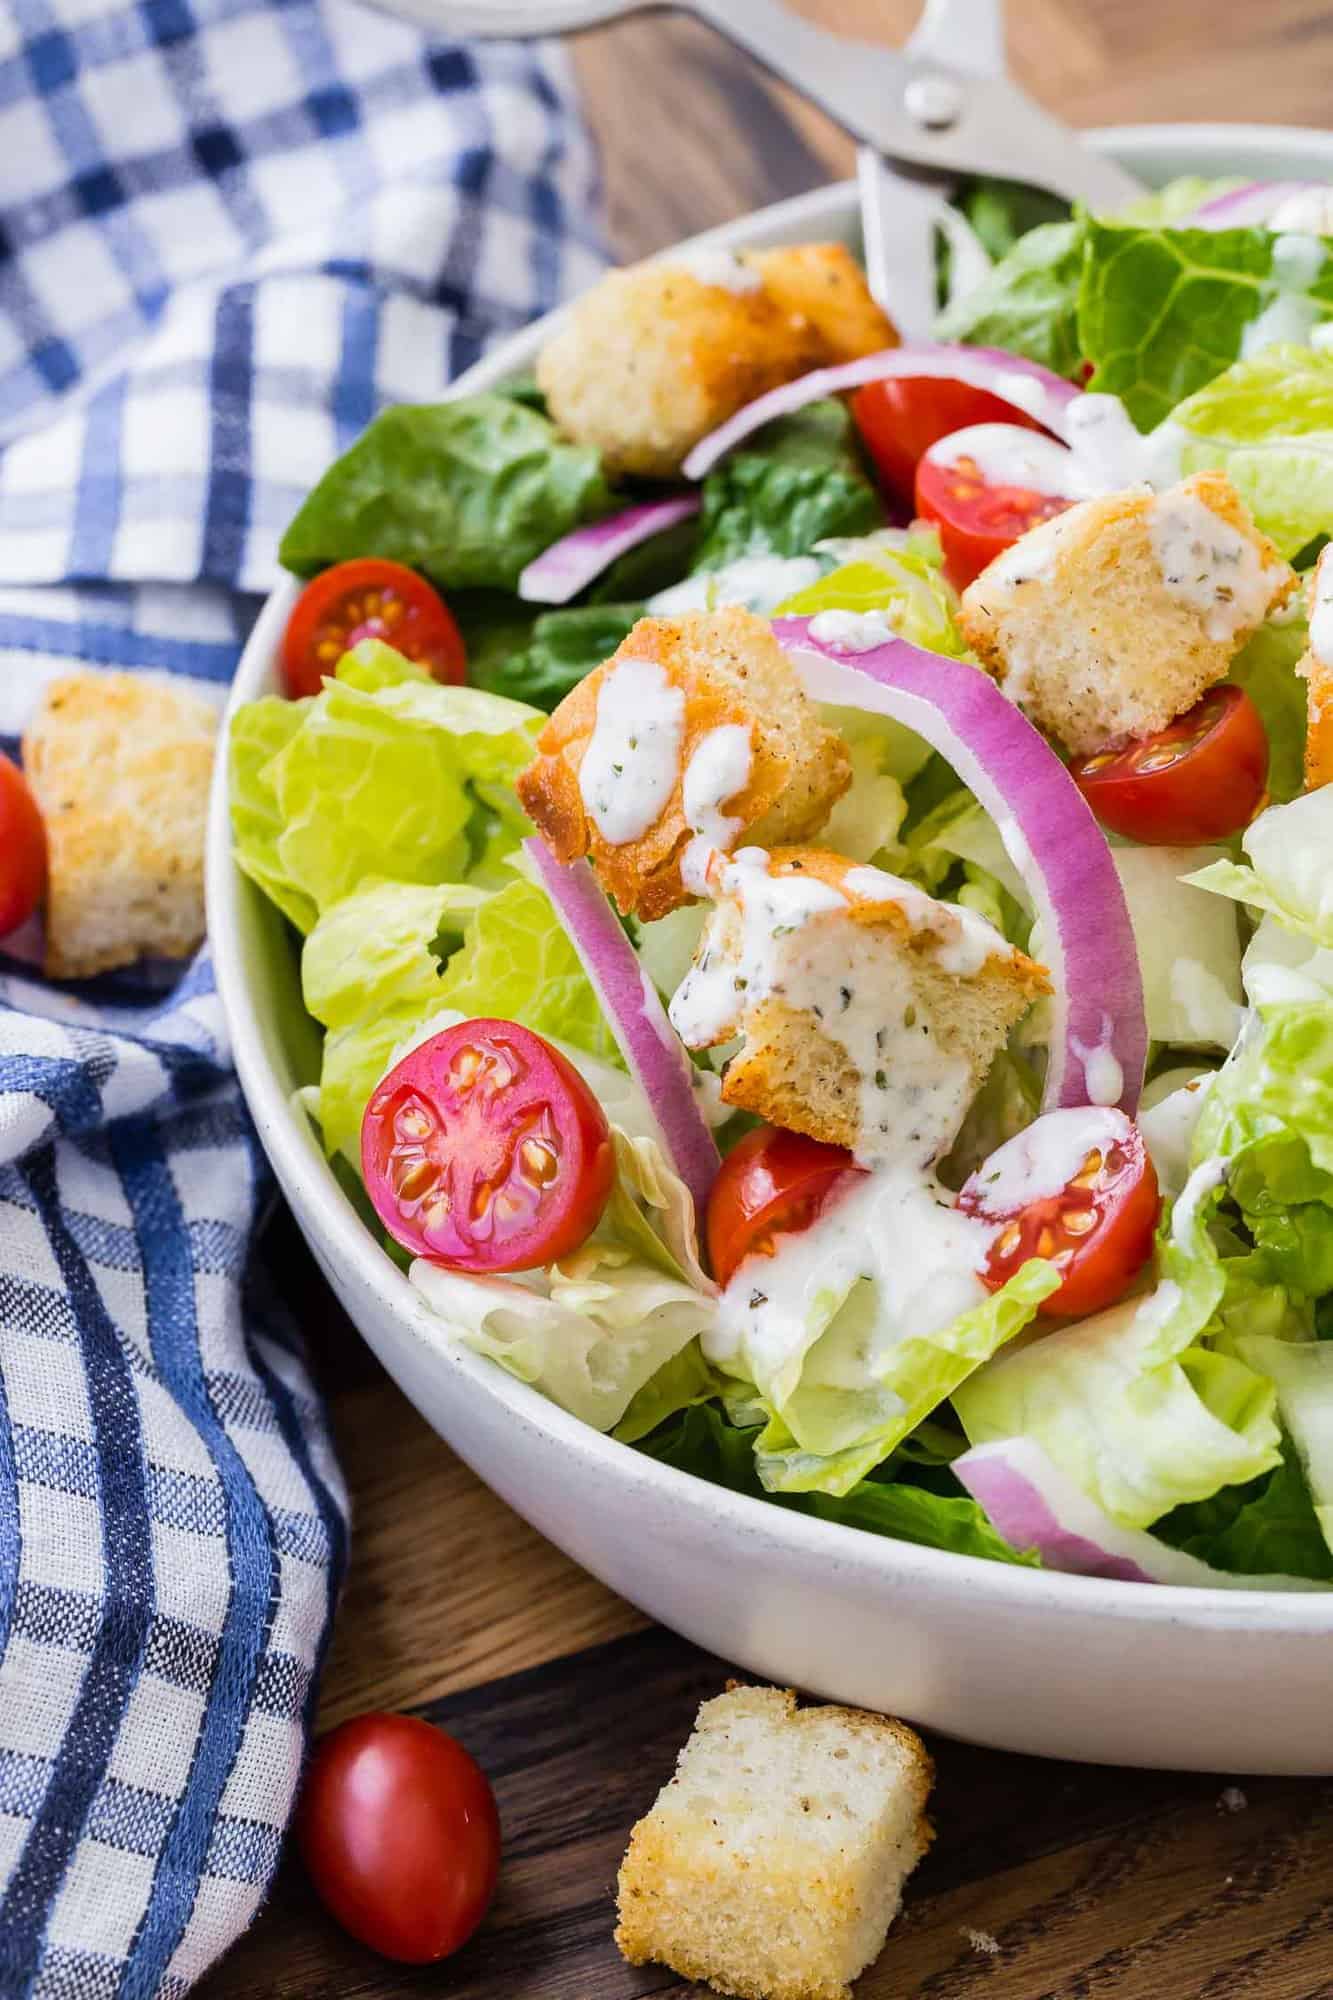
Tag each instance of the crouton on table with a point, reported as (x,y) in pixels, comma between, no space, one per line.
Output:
(869,1012)
(120,765)
(1109,620)
(773,1863)
(655,357)
(697,727)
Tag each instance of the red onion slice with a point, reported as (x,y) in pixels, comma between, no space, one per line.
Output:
(1248,207)
(1036,1506)
(1099,1037)
(570,564)
(1025,384)
(637,1018)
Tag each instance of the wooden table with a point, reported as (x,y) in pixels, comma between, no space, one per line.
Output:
(1047,1882)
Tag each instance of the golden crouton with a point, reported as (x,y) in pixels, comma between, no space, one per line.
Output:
(1318,674)
(720,668)
(773,1862)
(824,282)
(120,765)
(1111,619)
(869,1011)
(655,357)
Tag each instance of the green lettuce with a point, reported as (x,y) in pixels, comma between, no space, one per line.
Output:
(467,491)
(1268,422)
(259,731)
(700,1440)
(1189,946)
(407,780)
(1267,1527)
(1161,312)
(1161,208)
(561,648)
(1303,1375)
(902,577)
(1266,668)
(797,482)
(1287,875)
(518,964)
(1001,213)
(1029,303)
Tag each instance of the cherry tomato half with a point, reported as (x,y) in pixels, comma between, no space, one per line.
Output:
(900,419)
(368,599)
(22,849)
(1200,778)
(398,1828)
(1078,1188)
(485,1150)
(977,521)
(772,1183)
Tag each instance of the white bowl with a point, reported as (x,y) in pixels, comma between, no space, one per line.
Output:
(1020,1659)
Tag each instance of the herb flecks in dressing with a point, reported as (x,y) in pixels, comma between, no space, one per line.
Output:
(1208,564)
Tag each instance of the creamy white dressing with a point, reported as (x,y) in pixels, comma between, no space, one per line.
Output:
(1209,564)
(1309,209)
(632,761)
(1032,558)
(723,268)
(851,631)
(1045,1156)
(1321,610)
(897,1230)
(1111,453)
(787,937)
(754,583)
(1167,1125)
(719,769)
(1008,455)
(1291,315)
(1104,1077)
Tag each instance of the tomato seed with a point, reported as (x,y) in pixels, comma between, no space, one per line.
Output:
(413,1121)
(540,1162)
(1009,1241)
(414,1179)
(1078,1221)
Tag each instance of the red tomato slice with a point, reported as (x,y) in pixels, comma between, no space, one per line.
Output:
(485,1150)
(899,420)
(399,1831)
(22,849)
(1200,778)
(772,1183)
(368,599)
(1078,1188)
(977,521)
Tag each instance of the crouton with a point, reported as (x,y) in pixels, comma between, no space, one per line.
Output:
(824,282)
(120,765)
(655,357)
(773,1862)
(1316,666)
(869,1012)
(615,775)
(1109,620)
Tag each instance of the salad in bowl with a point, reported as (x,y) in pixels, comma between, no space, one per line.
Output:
(808,858)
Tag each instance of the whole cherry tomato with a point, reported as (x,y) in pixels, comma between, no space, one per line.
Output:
(22,849)
(368,599)
(978,517)
(485,1150)
(399,1830)
(1078,1188)
(901,418)
(1200,778)
(772,1183)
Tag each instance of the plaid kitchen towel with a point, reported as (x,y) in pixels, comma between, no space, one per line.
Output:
(228,233)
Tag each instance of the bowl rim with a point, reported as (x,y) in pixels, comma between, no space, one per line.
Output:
(289,1142)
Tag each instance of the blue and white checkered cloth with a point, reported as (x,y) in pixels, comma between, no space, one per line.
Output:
(229,231)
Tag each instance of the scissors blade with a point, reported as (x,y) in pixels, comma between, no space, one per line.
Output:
(899,218)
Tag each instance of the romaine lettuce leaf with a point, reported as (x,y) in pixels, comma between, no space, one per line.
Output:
(1303,1374)
(259,731)
(1189,946)
(384,782)
(795,483)
(518,964)
(1161,312)
(1267,1527)
(1288,873)
(1029,302)
(541,662)
(902,578)
(1268,422)
(702,1441)
(1266,668)
(467,491)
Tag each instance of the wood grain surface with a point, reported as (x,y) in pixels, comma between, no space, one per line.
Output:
(1046,1882)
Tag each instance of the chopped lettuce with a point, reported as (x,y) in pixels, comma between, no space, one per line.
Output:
(1266,668)
(1268,421)
(1028,303)
(468,491)
(539,660)
(702,1441)
(592,1332)
(1288,873)
(403,779)
(797,482)
(901,576)
(1302,1372)
(517,964)
(1267,1527)
(259,731)
(1161,312)
(1189,946)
